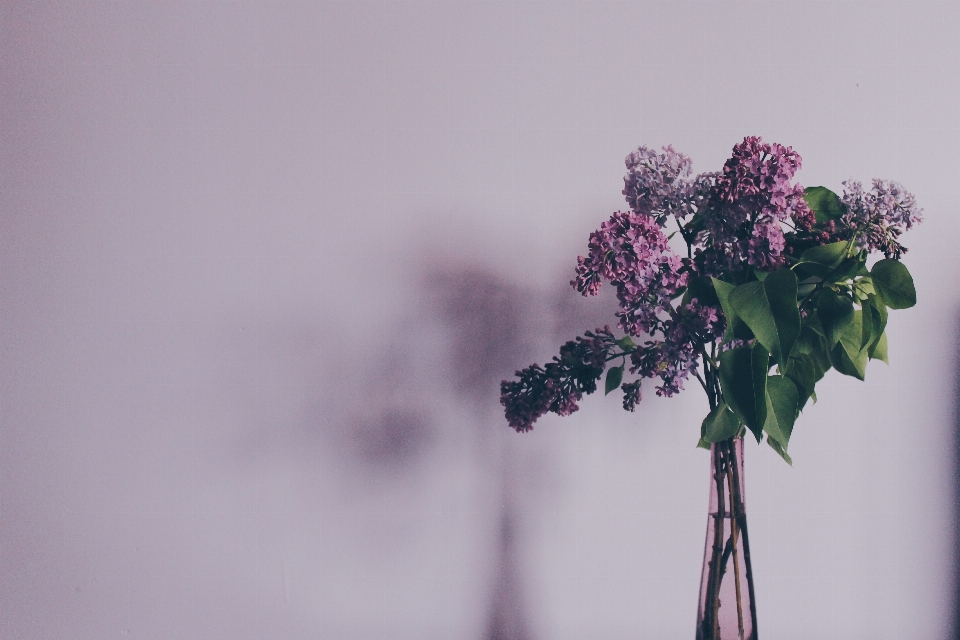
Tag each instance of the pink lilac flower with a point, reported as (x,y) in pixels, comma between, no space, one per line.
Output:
(631,395)
(632,252)
(878,217)
(677,354)
(750,202)
(559,385)
(656,184)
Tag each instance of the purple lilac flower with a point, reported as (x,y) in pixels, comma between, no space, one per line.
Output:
(656,184)
(559,385)
(751,200)
(677,354)
(878,217)
(632,252)
(631,395)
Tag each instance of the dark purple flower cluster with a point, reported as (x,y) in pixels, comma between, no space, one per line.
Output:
(878,217)
(632,252)
(677,354)
(559,385)
(749,204)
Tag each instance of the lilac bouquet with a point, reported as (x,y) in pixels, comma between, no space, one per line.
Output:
(771,291)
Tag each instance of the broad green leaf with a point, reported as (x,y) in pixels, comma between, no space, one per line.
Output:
(808,340)
(835,312)
(851,343)
(743,381)
(769,308)
(626,342)
(874,321)
(894,284)
(863,287)
(842,361)
(879,350)
(736,328)
(879,311)
(781,408)
(828,255)
(826,204)
(866,323)
(804,373)
(782,452)
(812,321)
(721,424)
(806,286)
(614,378)
(821,358)
(851,334)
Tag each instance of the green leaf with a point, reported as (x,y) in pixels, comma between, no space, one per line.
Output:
(614,378)
(849,364)
(743,381)
(879,350)
(849,356)
(776,446)
(879,322)
(782,400)
(736,328)
(809,339)
(874,320)
(626,342)
(863,287)
(835,312)
(804,373)
(826,204)
(770,309)
(721,424)
(828,255)
(866,324)
(894,284)
(851,334)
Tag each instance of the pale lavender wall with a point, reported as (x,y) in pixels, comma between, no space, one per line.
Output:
(244,394)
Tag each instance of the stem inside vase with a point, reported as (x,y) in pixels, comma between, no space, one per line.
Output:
(727,609)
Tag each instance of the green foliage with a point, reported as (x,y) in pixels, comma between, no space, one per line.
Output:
(835,312)
(613,379)
(804,372)
(736,327)
(743,381)
(720,424)
(826,205)
(827,255)
(843,327)
(894,284)
(781,451)
(879,350)
(782,399)
(770,309)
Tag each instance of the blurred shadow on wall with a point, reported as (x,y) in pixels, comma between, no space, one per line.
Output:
(497,327)
(462,330)
(490,330)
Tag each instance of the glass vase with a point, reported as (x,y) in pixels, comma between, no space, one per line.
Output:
(727,608)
